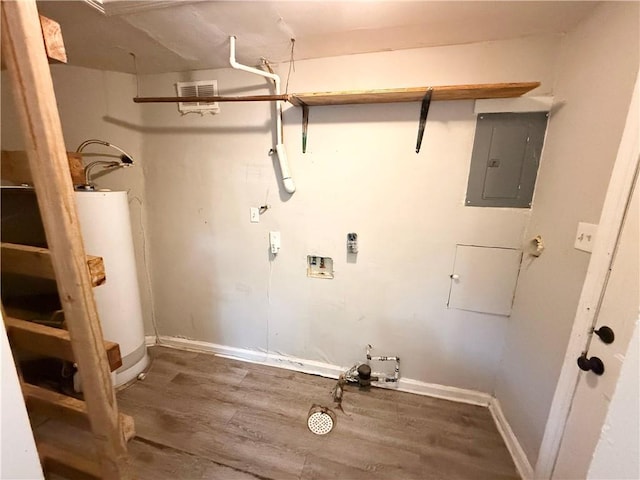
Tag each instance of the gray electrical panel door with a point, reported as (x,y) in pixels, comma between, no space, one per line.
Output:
(505,159)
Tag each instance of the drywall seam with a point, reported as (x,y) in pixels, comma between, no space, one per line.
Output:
(511,441)
(461,395)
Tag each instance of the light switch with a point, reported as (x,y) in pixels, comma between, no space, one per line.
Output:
(585,236)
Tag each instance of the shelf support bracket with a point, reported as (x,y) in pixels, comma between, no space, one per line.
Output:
(305,125)
(424,111)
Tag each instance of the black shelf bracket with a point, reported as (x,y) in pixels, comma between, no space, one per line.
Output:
(424,111)
(305,126)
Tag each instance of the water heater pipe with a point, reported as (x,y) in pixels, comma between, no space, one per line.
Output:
(287,181)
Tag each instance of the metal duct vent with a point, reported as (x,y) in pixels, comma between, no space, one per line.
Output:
(202,88)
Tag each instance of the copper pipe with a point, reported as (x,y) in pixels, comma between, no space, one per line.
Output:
(248,98)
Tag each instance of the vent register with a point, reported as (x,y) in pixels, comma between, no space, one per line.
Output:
(201,88)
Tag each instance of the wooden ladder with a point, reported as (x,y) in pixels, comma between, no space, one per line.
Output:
(25,55)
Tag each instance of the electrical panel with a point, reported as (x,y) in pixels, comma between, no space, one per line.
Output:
(505,159)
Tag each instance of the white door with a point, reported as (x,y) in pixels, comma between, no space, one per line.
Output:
(619,311)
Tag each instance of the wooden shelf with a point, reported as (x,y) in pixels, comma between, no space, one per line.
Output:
(393,95)
(418,94)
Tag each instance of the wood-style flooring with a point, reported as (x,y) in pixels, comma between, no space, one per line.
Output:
(202,416)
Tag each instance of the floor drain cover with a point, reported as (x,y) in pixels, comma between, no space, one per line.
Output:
(321,420)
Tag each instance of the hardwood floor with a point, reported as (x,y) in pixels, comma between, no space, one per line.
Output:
(201,416)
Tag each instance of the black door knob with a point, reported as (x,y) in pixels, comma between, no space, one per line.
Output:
(605,334)
(593,364)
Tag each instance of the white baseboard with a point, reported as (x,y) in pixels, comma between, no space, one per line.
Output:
(326,370)
(515,449)
(461,395)
(253,356)
(150,340)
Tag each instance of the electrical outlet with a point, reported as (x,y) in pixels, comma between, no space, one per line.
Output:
(254,215)
(586,236)
(274,242)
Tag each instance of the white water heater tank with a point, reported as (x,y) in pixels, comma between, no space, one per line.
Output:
(106,232)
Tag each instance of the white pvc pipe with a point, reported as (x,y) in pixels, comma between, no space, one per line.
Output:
(287,181)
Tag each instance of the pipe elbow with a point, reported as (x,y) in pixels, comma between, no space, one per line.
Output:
(232,52)
(289,185)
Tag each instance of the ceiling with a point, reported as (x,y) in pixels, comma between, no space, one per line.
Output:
(170,36)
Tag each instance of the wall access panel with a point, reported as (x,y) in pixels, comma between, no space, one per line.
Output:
(484,279)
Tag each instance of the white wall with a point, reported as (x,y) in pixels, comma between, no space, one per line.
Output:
(95,104)
(600,55)
(212,276)
(18,458)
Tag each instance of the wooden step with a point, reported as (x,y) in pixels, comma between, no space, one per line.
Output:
(14,167)
(45,402)
(59,461)
(52,342)
(37,314)
(36,262)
